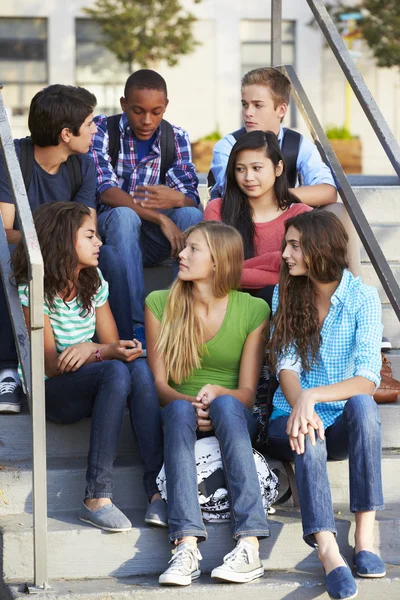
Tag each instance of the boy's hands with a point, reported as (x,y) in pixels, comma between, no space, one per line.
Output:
(126,350)
(75,356)
(174,235)
(159,197)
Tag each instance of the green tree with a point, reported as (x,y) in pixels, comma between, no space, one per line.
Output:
(379,26)
(143,32)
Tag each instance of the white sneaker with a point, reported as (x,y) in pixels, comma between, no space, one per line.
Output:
(241,565)
(184,566)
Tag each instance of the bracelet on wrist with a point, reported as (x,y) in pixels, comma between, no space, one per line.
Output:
(98,355)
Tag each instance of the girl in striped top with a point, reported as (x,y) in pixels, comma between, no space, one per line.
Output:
(84,378)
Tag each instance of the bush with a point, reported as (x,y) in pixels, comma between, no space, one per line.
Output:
(339,133)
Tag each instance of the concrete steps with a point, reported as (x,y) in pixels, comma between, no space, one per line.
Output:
(78,550)
(295,584)
(66,484)
(381,206)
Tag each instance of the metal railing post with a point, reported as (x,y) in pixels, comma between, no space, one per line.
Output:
(276,33)
(355,79)
(345,190)
(34,377)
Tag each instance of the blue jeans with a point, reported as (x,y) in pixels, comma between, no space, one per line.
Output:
(145,417)
(234,427)
(114,272)
(141,243)
(99,390)
(356,434)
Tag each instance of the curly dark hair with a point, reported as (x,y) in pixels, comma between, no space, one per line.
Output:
(323,241)
(57,225)
(235,208)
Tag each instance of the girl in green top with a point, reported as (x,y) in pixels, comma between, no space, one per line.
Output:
(205,344)
(84,378)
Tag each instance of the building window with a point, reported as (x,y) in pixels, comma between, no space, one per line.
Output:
(23,61)
(98,69)
(256,43)
(255,36)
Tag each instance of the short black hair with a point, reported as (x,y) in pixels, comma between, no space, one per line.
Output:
(145,79)
(55,107)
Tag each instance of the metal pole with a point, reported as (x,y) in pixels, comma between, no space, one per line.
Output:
(345,190)
(355,79)
(35,380)
(276,33)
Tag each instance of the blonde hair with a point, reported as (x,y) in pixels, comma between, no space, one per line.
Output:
(271,78)
(181,335)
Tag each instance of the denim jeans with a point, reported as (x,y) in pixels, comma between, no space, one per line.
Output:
(99,390)
(145,417)
(8,353)
(114,272)
(141,243)
(234,427)
(356,434)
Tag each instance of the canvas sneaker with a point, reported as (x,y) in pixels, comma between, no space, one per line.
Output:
(184,566)
(241,565)
(10,391)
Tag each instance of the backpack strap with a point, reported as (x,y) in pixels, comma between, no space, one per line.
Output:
(210,176)
(239,133)
(167,149)
(290,150)
(113,138)
(26,160)
(74,169)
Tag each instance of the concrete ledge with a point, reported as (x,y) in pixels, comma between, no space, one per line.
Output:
(289,585)
(78,551)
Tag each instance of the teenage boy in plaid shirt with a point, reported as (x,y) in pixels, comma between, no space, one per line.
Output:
(137,215)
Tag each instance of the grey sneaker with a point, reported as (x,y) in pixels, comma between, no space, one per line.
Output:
(184,566)
(108,517)
(241,565)
(10,392)
(157,513)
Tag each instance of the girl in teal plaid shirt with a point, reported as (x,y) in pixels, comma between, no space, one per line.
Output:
(325,350)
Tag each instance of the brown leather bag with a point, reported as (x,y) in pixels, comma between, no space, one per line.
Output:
(389,388)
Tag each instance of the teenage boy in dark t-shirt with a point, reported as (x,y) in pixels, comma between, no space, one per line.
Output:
(61,125)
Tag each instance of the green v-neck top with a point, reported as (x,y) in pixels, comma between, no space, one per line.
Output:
(221,363)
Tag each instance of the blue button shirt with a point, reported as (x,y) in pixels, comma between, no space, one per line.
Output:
(351,342)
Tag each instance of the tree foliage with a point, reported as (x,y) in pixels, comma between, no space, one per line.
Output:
(144,32)
(379,26)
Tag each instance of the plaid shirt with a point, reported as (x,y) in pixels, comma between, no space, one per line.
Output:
(130,172)
(351,341)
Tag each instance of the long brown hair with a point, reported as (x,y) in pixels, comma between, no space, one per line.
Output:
(181,335)
(57,226)
(323,241)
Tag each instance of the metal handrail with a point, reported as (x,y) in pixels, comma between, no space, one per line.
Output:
(356,81)
(345,190)
(30,350)
(374,116)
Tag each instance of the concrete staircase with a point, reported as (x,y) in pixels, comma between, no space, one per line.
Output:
(381,205)
(86,563)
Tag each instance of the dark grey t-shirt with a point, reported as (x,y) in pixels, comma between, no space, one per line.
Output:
(44,187)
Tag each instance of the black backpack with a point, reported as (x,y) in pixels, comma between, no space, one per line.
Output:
(167,143)
(26,159)
(290,150)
